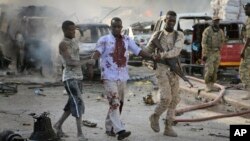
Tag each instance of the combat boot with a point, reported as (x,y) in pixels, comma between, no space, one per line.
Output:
(246,88)
(208,87)
(169,131)
(247,97)
(154,122)
(213,88)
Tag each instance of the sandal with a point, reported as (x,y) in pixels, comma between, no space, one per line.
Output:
(88,123)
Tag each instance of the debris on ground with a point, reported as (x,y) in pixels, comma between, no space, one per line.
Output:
(42,128)
(196,129)
(8,88)
(38,91)
(8,135)
(89,123)
(218,135)
(148,100)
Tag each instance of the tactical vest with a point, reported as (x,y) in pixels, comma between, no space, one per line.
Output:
(159,35)
(214,39)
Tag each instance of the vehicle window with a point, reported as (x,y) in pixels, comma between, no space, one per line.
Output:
(141,31)
(188,23)
(104,31)
(78,34)
(91,34)
(86,36)
(123,31)
(231,31)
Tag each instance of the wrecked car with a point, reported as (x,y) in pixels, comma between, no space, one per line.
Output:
(88,34)
(140,32)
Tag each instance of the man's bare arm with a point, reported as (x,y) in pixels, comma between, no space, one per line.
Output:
(145,54)
(96,55)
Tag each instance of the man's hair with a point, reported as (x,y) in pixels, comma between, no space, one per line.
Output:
(246,5)
(171,13)
(116,19)
(66,24)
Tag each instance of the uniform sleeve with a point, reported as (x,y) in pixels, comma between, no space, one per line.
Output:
(223,38)
(133,47)
(248,28)
(151,46)
(204,42)
(178,46)
(100,45)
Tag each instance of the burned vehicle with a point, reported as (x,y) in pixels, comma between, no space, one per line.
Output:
(140,32)
(88,34)
(37,49)
(31,28)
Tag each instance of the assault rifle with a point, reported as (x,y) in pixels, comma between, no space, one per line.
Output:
(174,62)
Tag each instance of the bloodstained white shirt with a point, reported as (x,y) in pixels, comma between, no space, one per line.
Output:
(109,69)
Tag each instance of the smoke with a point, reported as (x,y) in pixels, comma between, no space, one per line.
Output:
(82,11)
(129,10)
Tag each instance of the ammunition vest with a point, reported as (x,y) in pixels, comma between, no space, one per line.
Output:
(214,39)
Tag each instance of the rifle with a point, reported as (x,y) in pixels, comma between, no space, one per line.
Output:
(174,65)
(174,62)
(158,48)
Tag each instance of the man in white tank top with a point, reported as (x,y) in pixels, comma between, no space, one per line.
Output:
(69,51)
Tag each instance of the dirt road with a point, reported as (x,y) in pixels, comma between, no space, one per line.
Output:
(14,110)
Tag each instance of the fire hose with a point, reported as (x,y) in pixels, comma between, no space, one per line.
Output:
(206,105)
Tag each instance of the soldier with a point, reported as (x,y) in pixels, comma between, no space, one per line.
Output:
(212,39)
(244,68)
(172,43)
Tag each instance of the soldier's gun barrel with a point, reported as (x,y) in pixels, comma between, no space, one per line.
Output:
(172,62)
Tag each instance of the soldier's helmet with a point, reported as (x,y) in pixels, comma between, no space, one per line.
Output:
(246,5)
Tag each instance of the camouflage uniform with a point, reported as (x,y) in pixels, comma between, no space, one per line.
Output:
(244,68)
(211,45)
(168,80)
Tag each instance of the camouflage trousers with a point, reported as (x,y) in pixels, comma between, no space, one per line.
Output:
(115,91)
(211,67)
(169,91)
(244,71)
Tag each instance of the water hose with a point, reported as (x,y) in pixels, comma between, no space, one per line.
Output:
(206,105)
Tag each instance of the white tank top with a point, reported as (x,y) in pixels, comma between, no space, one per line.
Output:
(71,72)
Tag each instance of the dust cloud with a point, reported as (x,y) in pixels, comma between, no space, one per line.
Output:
(85,11)
(130,11)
